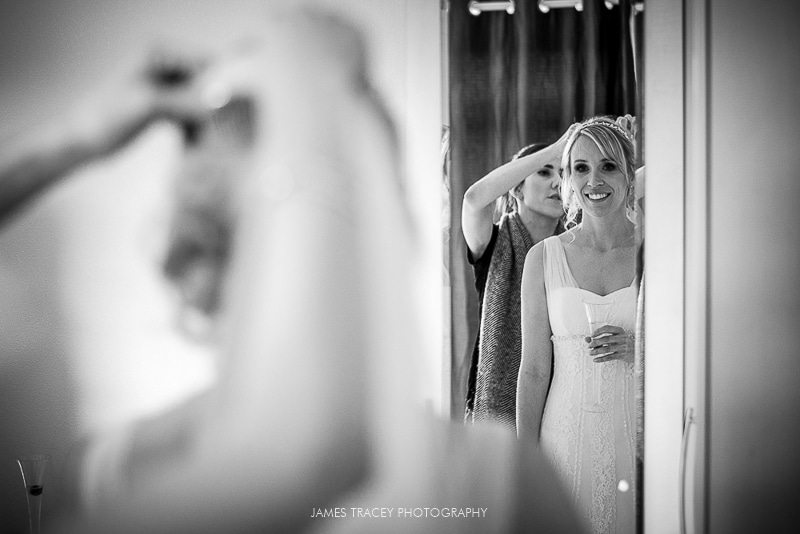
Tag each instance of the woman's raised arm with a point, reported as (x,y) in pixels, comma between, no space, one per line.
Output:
(477,208)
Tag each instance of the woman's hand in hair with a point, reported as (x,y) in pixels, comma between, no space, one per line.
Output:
(629,123)
(562,141)
(162,86)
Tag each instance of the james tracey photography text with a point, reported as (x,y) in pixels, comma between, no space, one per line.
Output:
(383,512)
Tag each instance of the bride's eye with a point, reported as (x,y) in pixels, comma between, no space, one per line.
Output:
(580,168)
(609,166)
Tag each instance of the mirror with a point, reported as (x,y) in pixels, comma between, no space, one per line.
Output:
(519,73)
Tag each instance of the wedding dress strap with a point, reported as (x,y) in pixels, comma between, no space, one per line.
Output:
(556,270)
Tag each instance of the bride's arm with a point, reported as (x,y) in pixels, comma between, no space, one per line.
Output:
(537,349)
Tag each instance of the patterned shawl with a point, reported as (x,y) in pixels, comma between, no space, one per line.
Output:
(500,330)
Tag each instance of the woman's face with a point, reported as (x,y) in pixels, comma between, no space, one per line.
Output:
(599,183)
(540,191)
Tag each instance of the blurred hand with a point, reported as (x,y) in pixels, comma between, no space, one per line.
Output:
(164,86)
(610,343)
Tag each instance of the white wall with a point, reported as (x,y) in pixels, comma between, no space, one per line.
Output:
(754,261)
(742,256)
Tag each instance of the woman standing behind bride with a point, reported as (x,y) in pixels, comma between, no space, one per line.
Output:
(585,422)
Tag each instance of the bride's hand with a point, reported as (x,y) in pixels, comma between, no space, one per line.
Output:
(611,343)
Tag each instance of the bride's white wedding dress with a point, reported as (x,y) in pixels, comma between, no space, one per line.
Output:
(589,438)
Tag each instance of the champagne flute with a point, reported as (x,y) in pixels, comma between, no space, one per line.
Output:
(597,314)
(32,468)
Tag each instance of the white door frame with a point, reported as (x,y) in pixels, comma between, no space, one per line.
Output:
(664,275)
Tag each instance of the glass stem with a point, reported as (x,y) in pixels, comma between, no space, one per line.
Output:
(34,513)
(597,381)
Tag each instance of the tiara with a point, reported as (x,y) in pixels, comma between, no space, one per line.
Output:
(605,121)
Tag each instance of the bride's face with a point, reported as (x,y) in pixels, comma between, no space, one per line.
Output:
(598,182)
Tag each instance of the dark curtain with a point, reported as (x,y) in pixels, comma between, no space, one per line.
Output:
(515,80)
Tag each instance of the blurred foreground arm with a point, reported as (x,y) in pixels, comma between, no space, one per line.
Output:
(161,89)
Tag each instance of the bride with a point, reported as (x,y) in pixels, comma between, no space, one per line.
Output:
(584,421)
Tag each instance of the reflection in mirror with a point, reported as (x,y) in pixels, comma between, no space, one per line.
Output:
(515,80)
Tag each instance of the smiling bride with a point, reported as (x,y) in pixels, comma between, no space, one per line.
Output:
(579,293)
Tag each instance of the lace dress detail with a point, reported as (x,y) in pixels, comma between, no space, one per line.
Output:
(589,434)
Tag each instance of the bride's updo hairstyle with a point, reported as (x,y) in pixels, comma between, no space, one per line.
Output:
(615,142)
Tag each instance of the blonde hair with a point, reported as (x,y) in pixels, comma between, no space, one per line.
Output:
(616,144)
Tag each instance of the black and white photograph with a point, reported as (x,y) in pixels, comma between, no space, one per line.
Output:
(399,266)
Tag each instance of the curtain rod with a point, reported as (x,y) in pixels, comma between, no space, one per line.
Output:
(476,8)
(547,5)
